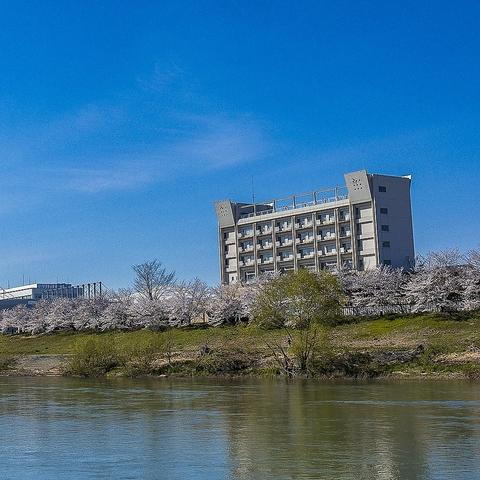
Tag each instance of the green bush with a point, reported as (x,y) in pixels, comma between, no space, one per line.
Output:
(472,371)
(93,357)
(6,362)
(348,364)
(227,361)
(139,358)
(299,299)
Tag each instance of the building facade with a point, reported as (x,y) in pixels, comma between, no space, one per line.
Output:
(364,224)
(29,294)
(37,291)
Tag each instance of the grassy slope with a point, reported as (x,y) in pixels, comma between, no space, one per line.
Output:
(442,331)
(186,339)
(449,341)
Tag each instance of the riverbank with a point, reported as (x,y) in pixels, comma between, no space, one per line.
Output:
(424,346)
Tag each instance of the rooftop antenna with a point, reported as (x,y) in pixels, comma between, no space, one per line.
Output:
(253,191)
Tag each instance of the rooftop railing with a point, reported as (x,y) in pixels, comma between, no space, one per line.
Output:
(293,202)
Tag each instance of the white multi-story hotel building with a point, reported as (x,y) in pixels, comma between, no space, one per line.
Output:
(362,225)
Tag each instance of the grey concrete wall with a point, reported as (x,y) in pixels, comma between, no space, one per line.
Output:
(396,199)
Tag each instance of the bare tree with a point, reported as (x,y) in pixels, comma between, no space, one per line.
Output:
(152,280)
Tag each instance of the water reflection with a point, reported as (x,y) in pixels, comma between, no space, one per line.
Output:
(252,429)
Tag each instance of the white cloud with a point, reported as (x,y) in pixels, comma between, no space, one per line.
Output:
(104,179)
(215,143)
(151,133)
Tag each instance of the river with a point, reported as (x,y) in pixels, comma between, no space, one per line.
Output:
(62,428)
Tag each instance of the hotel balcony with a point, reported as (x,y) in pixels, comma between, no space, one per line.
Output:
(264,231)
(283,228)
(345,234)
(300,226)
(324,238)
(344,218)
(305,255)
(326,221)
(285,243)
(330,252)
(248,263)
(245,234)
(249,248)
(288,258)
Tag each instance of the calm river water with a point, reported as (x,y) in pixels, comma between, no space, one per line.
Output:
(58,428)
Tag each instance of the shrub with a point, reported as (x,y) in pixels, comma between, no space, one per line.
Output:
(6,362)
(93,357)
(348,364)
(139,358)
(300,300)
(227,361)
(472,371)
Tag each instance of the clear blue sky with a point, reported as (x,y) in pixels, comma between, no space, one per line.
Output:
(122,122)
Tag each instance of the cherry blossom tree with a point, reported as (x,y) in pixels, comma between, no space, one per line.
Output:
(120,312)
(227,304)
(17,319)
(378,288)
(471,294)
(437,284)
(188,301)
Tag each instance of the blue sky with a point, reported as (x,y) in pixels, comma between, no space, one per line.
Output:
(122,123)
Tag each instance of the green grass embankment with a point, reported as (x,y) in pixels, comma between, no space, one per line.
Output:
(415,345)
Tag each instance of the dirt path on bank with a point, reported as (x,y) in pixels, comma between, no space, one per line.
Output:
(37,365)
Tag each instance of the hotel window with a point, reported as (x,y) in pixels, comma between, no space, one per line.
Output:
(386,244)
(385,228)
(382,189)
(384,211)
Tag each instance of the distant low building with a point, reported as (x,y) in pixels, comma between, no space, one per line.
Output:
(29,294)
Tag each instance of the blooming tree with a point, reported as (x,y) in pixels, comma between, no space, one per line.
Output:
(378,287)
(442,281)
(471,294)
(227,304)
(437,284)
(188,301)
